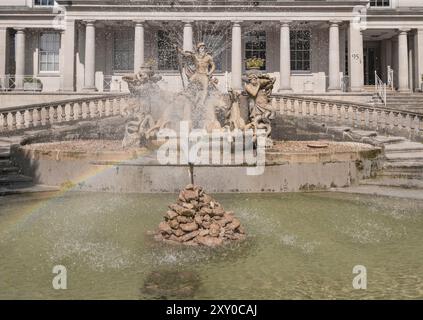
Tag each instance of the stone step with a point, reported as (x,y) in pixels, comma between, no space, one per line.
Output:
(403,165)
(9,170)
(401,174)
(5,191)
(404,156)
(4,155)
(386,140)
(15,179)
(364,133)
(5,163)
(394,182)
(405,146)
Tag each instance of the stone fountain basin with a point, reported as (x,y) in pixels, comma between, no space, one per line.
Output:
(105,166)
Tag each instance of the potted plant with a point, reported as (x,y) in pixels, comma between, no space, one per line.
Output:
(254,63)
(32,84)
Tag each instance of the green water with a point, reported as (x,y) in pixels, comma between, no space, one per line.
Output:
(299,246)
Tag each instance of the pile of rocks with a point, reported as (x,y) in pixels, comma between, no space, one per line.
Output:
(198,219)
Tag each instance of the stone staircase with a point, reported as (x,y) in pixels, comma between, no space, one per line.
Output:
(402,165)
(412,102)
(11,179)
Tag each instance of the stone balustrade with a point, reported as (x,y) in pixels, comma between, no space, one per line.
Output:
(355,115)
(329,112)
(46,114)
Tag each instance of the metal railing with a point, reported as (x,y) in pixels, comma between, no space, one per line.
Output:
(21,83)
(380,88)
(46,114)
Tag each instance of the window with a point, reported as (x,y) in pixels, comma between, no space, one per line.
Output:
(300,50)
(255,46)
(44,2)
(168,59)
(49,52)
(123,50)
(380,3)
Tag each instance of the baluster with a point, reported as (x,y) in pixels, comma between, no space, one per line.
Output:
(339,113)
(292,105)
(89,112)
(63,113)
(78,113)
(285,106)
(14,126)
(71,111)
(364,117)
(96,109)
(404,124)
(275,103)
(38,117)
(347,114)
(4,121)
(82,107)
(379,119)
(412,123)
(354,117)
(396,120)
(300,107)
(30,118)
(387,119)
(55,114)
(21,119)
(420,125)
(323,111)
(47,118)
(107,107)
(307,102)
(330,118)
(101,108)
(371,120)
(314,110)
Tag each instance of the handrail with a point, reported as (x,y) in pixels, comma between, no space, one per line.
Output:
(343,102)
(355,115)
(60,102)
(49,113)
(380,88)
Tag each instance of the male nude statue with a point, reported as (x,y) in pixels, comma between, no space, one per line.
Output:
(204,68)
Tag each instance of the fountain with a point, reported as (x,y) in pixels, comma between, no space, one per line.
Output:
(196,218)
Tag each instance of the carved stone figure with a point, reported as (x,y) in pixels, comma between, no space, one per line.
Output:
(199,79)
(259,89)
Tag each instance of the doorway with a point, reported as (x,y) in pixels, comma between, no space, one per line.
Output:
(371,62)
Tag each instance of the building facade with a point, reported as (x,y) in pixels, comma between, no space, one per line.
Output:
(314,46)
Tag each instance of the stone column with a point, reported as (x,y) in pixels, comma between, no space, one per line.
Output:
(90,56)
(188,36)
(285,57)
(67,61)
(334,80)
(139,45)
(236,56)
(19,58)
(403,81)
(3,56)
(418,58)
(356,60)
